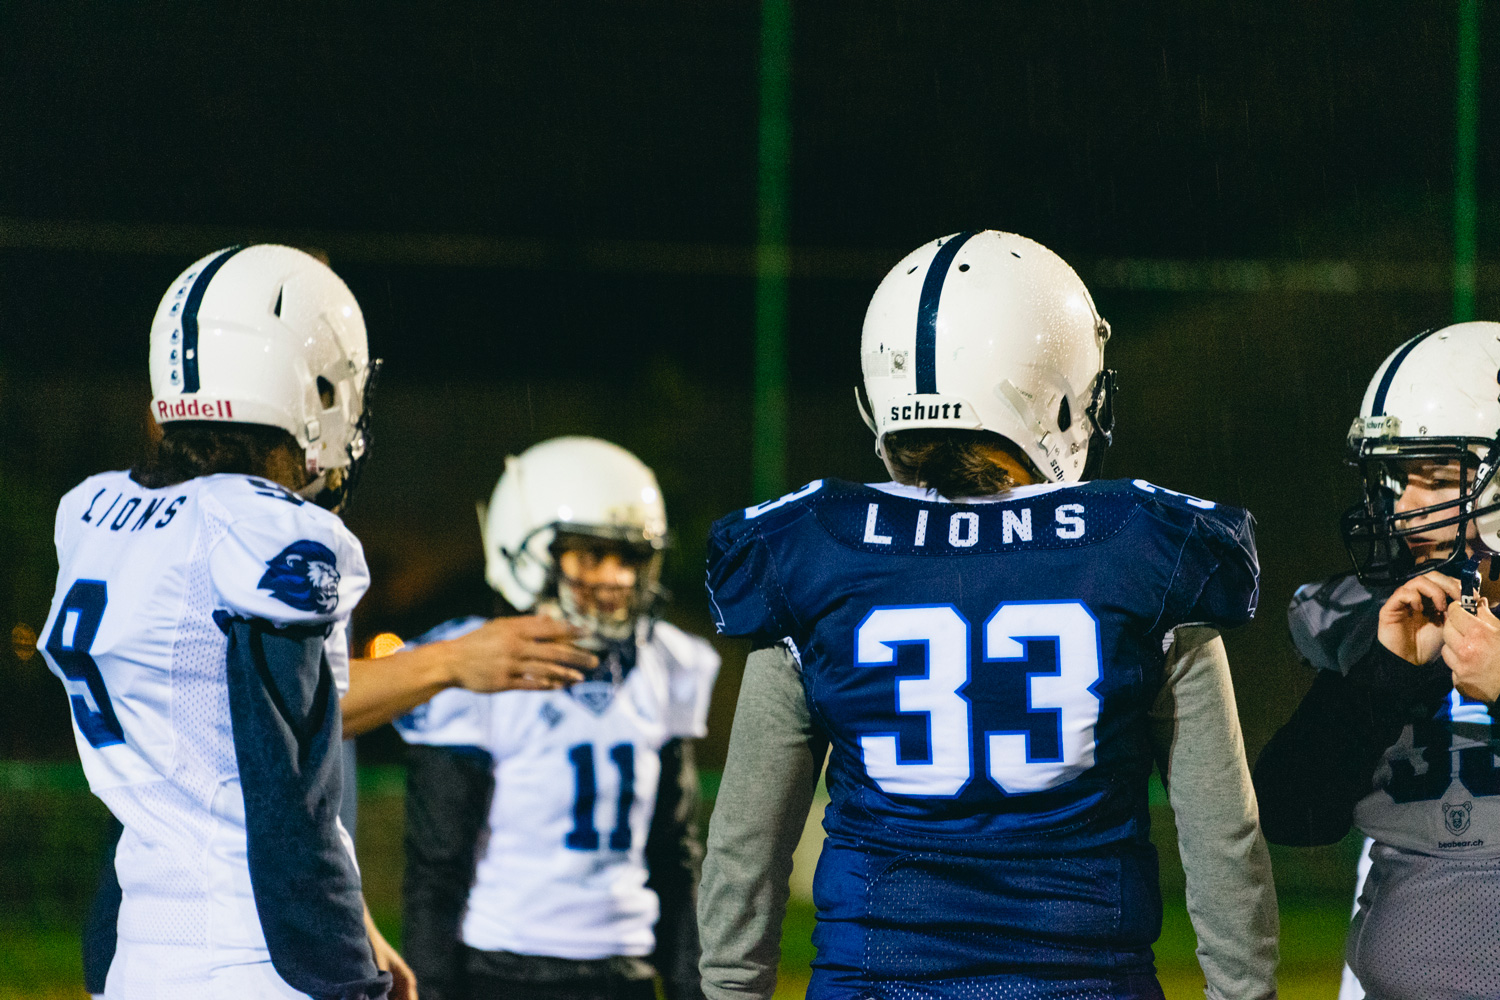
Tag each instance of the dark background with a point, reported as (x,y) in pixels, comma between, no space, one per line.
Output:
(548,212)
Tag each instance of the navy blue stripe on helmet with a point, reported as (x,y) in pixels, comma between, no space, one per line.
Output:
(1377,408)
(927,310)
(190,317)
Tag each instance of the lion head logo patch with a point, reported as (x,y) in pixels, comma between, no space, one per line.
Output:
(1456,816)
(305,576)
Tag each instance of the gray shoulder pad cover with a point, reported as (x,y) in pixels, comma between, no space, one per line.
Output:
(1333,621)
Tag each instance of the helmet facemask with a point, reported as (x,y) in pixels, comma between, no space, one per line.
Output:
(1378,536)
(332,489)
(1101,414)
(579,590)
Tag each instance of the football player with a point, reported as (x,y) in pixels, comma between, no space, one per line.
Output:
(551,849)
(995,650)
(1396,736)
(191,682)
(199,626)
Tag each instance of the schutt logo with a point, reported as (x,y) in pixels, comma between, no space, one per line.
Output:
(305,576)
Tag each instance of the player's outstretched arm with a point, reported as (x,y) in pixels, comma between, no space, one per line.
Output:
(770,776)
(525,652)
(1230,896)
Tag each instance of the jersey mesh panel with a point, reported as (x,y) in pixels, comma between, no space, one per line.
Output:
(1428,927)
(169,891)
(1002,988)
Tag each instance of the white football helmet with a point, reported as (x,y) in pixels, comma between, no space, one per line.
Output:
(261,335)
(991,331)
(573,486)
(1437,396)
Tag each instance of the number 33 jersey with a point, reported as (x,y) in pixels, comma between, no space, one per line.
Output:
(149,583)
(983,671)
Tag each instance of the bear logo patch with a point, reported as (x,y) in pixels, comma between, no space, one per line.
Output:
(1456,816)
(304,576)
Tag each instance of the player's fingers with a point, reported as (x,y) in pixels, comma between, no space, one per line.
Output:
(1405,603)
(561,653)
(552,672)
(533,682)
(1454,659)
(545,628)
(1458,621)
(1437,592)
(1449,585)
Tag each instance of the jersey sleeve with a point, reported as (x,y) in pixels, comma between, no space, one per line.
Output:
(692,668)
(744,588)
(282,559)
(451,718)
(1218,572)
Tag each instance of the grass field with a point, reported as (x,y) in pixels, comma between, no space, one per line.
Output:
(51,835)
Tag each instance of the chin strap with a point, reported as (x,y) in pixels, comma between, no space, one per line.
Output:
(860,398)
(1101,413)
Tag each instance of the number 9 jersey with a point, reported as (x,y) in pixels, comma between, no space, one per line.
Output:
(199,630)
(983,671)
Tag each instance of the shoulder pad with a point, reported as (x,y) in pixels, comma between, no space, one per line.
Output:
(278,557)
(687,651)
(743,590)
(692,667)
(451,718)
(1333,621)
(1218,573)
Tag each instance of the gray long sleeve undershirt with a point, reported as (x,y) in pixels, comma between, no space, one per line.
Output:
(771,774)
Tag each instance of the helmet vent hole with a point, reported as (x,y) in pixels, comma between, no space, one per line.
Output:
(909,270)
(325,392)
(1015,255)
(963,267)
(276,311)
(1064,415)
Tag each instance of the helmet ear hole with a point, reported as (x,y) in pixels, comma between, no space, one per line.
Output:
(325,393)
(1064,415)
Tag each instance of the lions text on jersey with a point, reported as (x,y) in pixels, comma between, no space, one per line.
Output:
(983,671)
(561,871)
(200,632)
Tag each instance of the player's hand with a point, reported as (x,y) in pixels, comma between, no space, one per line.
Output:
(1471,648)
(526,653)
(1411,620)
(387,959)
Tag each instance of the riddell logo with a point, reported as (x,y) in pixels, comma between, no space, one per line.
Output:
(194,409)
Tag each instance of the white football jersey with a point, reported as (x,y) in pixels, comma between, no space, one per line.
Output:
(562,871)
(132,635)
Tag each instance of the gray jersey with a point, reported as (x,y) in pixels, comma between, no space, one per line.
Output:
(1427,920)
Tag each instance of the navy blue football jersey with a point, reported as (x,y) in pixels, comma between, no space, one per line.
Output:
(983,671)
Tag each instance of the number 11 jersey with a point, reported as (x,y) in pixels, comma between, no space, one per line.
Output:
(983,671)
